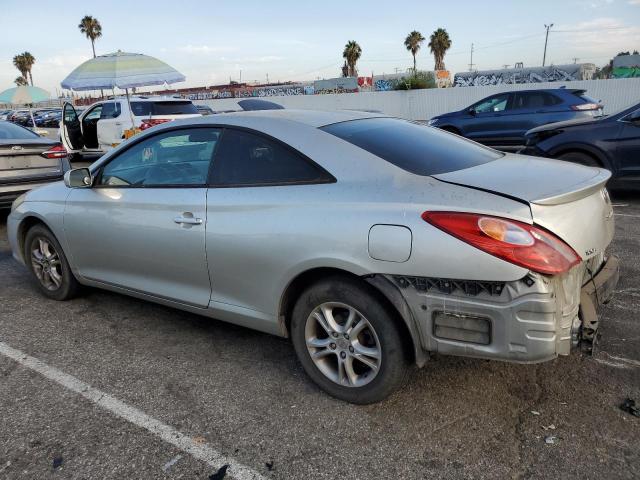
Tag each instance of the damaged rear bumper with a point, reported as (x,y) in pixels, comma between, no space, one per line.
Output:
(534,319)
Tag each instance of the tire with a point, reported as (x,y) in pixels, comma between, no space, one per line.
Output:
(345,365)
(453,130)
(580,158)
(48,264)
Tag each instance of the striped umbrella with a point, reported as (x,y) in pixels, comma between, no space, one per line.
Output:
(122,70)
(24,95)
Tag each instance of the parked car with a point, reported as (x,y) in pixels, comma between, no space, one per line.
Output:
(611,142)
(5,114)
(27,161)
(369,241)
(501,120)
(102,125)
(204,110)
(52,120)
(20,117)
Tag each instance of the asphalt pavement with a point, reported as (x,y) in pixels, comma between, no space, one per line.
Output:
(110,387)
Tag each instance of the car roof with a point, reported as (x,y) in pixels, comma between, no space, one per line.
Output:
(313,118)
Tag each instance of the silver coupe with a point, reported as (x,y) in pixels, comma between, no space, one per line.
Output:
(372,242)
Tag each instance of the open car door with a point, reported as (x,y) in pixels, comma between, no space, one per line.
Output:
(71,129)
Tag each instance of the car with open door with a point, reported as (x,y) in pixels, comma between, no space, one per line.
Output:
(102,125)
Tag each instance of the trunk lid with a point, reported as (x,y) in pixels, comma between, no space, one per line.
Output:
(22,161)
(567,199)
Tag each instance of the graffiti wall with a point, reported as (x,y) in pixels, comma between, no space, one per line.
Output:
(336,85)
(554,73)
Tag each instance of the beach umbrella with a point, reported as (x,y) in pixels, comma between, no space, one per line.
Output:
(123,70)
(24,95)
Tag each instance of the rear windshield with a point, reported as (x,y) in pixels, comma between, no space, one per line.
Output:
(413,147)
(587,99)
(144,109)
(11,131)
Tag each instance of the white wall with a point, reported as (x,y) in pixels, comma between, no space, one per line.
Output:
(424,104)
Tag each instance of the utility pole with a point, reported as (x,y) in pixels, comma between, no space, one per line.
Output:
(471,60)
(240,77)
(505,66)
(546,39)
(575,60)
(267,78)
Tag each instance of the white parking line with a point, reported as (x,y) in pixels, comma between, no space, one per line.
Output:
(169,434)
(626,215)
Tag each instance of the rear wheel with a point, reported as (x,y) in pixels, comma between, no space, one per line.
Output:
(580,158)
(48,264)
(347,341)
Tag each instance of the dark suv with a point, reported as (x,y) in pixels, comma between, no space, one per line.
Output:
(501,120)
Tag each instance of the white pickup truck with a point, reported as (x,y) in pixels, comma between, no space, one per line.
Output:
(102,125)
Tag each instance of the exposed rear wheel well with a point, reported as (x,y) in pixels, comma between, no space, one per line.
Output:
(310,277)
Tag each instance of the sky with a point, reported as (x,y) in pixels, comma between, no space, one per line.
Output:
(214,41)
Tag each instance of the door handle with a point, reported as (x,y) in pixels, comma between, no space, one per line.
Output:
(188,220)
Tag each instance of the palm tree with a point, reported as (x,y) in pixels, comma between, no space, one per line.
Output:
(21,81)
(19,63)
(351,54)
(439,44)
(29,60)
(92,29)
(413,42)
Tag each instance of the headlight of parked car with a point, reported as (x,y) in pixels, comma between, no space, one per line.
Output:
(18,201)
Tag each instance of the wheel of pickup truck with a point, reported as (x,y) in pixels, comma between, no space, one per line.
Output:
(48,264)
(580,158)
(348,342)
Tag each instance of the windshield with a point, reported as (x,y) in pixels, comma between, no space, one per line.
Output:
(413,147)
(11,131)
(144,109)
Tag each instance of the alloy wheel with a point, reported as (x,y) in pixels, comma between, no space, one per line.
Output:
(46,263)
(343,344)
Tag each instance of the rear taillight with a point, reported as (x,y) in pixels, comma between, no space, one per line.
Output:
(586,106)
(152,122)
(57,151)
(516,242)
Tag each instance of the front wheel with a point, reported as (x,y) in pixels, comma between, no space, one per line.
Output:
(348,342)
(49,265)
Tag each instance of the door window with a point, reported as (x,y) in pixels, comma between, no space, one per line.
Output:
(493,104)
(93,114)
(174,158)
(248,159)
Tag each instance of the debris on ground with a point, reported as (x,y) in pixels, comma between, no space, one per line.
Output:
(220,474)
(269,465)
(199,440)
(629,406)
(550,440)
(550,427)
(533,412)
(171,463)
(57,462)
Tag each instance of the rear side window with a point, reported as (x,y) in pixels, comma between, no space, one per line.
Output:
(534,100)
(246,159)
(110,110)
(10,131)
(415,148)
(144,109)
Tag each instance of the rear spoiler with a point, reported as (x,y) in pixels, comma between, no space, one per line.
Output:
(588,187)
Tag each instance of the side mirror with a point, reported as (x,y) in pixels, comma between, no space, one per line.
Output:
(472,111)
(78,178)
